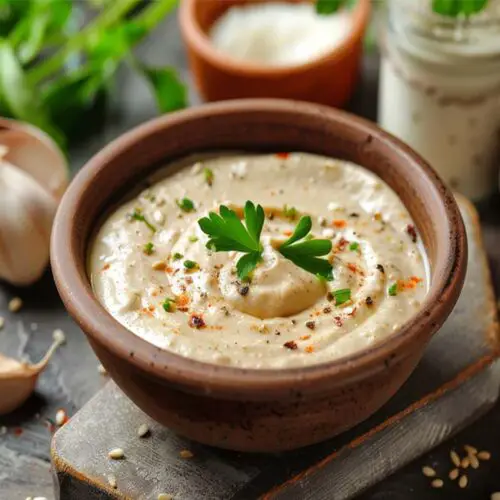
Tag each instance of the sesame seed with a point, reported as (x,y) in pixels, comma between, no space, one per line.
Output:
(102,370)
(463,481)
(437,483)
(484,455)
(470,449)
(112,481)
(465,463)
(58,336)
(2,322)
(15,305)
(3,430)
(428,471)
(39,498)
(495,496)
(453,474)
(455,458)
(165,496)
(143,430)
(474,462)
(116,454)
(29,498)
(60,417)
(186,454)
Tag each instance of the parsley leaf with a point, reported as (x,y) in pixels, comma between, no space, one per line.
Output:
(393,290)
(341,296)
(452,8)
(137,215)
(227,232)
(186,205)
(305,253)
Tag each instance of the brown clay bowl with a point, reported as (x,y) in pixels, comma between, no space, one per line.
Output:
(327,80)
(244,409)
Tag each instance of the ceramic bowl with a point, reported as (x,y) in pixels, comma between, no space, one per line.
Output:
(329,79)
(248,409)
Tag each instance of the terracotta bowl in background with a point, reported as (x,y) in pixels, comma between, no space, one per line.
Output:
(245,409)
(329,79)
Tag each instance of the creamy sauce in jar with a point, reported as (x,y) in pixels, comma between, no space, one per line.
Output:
(440,91)
(153,272)
(278,33)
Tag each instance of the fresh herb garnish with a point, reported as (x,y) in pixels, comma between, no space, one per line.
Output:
(454,8)
(177,256)
(325,7)
(305,254)
(341,296)
(193,239)
(227,232)
(137,215)
(208,174)
(186,205)
(148,248)
(354,246)
(168,305)
(290,212)
(190,264)
(393,290)
(40,42)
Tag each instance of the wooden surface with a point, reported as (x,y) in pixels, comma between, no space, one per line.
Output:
(72,377)
(453,384)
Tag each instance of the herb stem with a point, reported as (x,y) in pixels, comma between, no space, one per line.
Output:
(112,14)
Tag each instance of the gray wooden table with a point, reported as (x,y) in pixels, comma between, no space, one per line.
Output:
(72,377)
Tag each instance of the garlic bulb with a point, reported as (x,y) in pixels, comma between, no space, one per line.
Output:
(33,177)
(18,379)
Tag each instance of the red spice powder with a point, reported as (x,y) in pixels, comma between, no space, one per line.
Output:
(283,155)
(309,349)
(339,223)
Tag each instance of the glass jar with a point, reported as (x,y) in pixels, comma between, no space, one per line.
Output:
(440,90)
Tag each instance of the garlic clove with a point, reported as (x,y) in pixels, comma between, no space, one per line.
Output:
(36,153)
(26,214)
(18,379)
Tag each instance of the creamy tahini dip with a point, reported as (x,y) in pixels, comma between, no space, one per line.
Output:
(150,267)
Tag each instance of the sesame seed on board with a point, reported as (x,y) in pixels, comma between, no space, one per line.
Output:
(428,471)
(165,496)
(15,304)
(2,322)
(112,481)
(437,483)
(463,481)
(116,454)
(186,454)
(143,430)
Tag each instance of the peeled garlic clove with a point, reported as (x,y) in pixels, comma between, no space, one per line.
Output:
(26,214)
(18,379)
(33,151)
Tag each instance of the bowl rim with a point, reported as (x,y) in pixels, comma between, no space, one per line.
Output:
(196,37)
(199,377)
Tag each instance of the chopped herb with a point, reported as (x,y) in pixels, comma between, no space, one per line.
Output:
(309,237)
(148,248)
(193,239)
(454,8)
(393,289)
(186,205)
(208,174)
(177,256)
(354,246)
(341,296)
(190,264)
(169,305)
(137,215)
(290,212)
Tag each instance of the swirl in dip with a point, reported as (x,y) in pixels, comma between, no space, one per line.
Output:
(150,267)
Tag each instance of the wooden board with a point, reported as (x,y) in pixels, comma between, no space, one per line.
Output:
(457,380)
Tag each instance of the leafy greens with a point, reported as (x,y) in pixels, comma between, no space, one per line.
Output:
(228,233)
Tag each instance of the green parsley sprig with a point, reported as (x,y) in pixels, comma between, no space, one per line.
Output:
(227,232)
(306,253)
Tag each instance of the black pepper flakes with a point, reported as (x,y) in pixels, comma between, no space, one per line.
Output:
(294,321)
(410,229)
(380,267)
(311,325)
(244,290)
(354,214)
(327,310)
(196,321)
(369,301)
(291,345)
